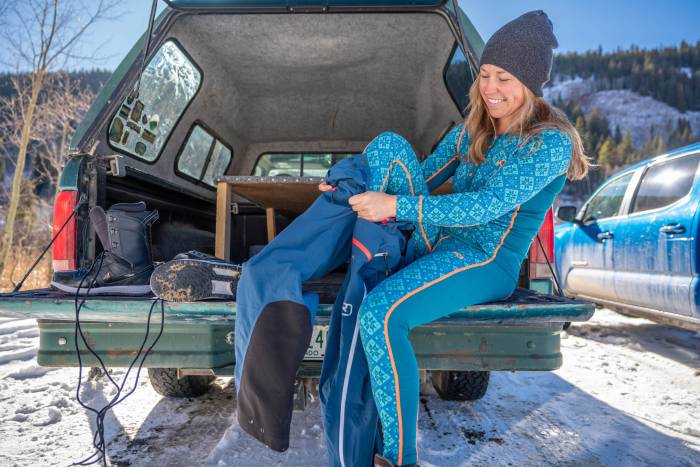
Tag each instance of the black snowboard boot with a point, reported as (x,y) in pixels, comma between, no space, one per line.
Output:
(193,276)
(126,265)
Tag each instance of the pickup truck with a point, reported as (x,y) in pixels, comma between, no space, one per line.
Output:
(256,88)
(633,245)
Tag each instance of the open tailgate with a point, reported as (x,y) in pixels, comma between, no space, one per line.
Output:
(520,333)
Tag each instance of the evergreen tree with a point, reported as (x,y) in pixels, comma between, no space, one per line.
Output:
(618,134)
(607,155)
(682,135)
(626,152)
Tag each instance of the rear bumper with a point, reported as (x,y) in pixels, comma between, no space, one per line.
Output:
(454,346)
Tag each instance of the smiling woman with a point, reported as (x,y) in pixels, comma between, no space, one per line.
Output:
(502,93)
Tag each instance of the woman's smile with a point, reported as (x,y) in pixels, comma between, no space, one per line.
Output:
(502,93)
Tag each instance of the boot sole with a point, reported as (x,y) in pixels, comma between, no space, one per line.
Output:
(189,280)
(106,290)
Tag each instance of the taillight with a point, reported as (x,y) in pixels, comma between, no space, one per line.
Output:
(65,245)
(536,259)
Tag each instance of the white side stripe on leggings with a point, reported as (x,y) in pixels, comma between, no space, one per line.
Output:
(345,384)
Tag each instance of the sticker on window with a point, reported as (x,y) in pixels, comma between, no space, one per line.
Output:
(144,121)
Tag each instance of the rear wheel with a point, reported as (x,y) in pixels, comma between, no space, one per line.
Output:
(166,383)
(460,385)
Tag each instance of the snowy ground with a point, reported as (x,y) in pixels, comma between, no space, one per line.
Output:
(627,395)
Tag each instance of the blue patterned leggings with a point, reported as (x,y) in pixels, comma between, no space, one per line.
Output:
(447,276)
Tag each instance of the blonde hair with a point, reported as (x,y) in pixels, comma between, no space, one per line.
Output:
(534,116)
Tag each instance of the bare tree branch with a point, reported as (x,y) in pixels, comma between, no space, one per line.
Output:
(44,32)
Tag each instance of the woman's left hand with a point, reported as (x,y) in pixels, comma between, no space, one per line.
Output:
(374,206)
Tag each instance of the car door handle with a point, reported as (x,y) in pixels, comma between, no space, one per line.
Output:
(672,229)
(607,235)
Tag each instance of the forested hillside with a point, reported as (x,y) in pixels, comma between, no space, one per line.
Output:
(628,105)
(90,79)
(670,74)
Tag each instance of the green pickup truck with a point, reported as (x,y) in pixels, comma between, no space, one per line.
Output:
(265,88)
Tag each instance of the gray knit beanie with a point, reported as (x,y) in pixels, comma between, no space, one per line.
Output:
(523,47)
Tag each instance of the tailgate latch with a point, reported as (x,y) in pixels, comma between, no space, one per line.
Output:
(115,165)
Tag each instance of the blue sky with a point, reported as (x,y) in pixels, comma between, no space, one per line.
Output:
(580,25)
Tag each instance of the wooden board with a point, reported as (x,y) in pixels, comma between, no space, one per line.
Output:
(287,195)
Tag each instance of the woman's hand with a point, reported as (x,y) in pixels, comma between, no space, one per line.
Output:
(374,206)
(323,186)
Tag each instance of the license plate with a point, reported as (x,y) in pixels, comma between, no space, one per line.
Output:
(317,347)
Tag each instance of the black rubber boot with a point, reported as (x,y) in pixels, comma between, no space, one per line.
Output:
(193,276)
(126,264)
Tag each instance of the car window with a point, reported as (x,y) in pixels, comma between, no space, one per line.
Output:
(666,183)
(296,164)
(203,157)
(144,121)
(458,79)
(606,203)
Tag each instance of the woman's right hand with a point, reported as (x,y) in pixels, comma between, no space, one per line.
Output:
(323,186)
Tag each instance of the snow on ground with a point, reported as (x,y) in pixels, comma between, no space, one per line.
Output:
(627,395)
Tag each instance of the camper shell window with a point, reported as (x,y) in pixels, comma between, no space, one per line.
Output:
(296,164)
(204,157)
(145,118)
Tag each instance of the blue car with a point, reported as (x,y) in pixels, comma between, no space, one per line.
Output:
(633,245)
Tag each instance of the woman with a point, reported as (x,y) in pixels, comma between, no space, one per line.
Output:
(509,160)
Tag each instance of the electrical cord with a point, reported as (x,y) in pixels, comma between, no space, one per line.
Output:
(560,291)
(98,441)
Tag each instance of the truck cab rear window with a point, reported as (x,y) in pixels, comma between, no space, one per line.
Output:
(203,157)
(296,164)
(458,78)
(144,121)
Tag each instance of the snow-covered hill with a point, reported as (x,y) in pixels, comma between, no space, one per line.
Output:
(626,109)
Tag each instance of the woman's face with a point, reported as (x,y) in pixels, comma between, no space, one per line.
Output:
(502,93)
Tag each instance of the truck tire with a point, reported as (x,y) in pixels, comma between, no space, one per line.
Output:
(460,385)
(166,383)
